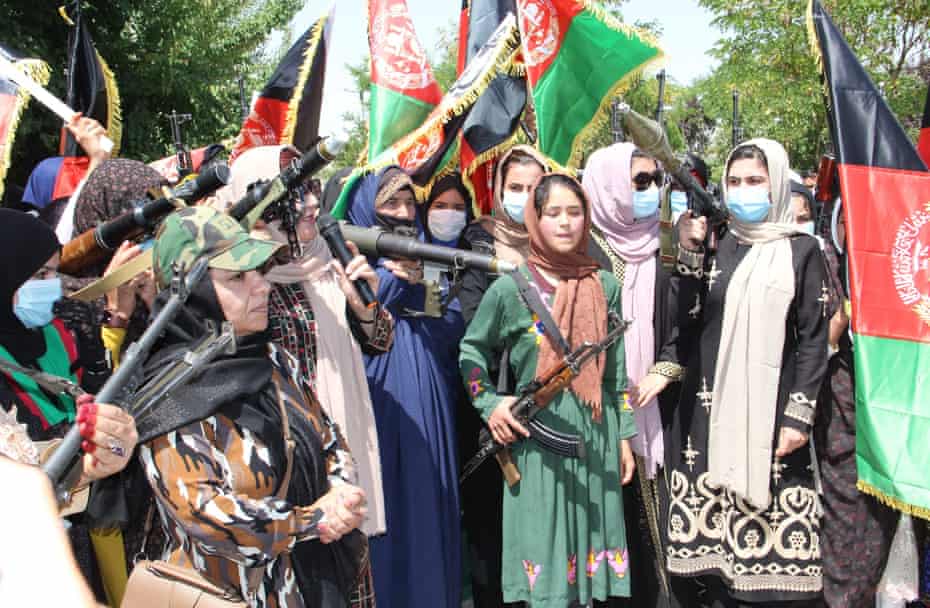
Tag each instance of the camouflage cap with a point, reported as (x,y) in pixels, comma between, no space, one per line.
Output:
(192,232)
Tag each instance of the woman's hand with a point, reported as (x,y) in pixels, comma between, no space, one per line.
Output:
(789,440)
(648,389)
(692,230)
(344,508)
(503,425)
(627,462)
(121,301)
(88,133)
(109,436)
(406,270)
(358,268)
(146,287)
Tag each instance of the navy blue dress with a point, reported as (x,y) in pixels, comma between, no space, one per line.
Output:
(414,388)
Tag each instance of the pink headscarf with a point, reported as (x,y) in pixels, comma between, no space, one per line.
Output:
(608,182)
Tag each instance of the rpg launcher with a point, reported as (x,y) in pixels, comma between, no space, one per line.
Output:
(97,243)
(280,198)
(650,137)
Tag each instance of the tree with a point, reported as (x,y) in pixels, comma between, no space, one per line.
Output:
(165,56)
(766,55)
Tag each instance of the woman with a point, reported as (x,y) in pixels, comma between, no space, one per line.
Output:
(238,504)
(448,210)
(317,315)
(623,186)
(564,519)
(33,337)
(752,333)
(503,233)
(413,390)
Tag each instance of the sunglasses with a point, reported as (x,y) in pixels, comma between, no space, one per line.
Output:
(643,179)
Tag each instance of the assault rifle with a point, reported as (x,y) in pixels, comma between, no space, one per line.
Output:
(61,466)
(532,398)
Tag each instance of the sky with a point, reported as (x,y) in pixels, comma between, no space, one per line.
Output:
(687,37)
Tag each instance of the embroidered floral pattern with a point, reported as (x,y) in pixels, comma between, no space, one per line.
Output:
(475,384)
(594,562)
(619,561)
(537,329)
(532,572)
(573,569)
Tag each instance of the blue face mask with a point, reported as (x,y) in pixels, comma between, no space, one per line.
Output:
(679,204)
(749,204)
(645,202)
(515,204)
(807,227)
(34,302)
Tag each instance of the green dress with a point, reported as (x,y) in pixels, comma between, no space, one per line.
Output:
(564,538)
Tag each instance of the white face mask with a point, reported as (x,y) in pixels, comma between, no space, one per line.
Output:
(515,204)
(807,227)
(446,224)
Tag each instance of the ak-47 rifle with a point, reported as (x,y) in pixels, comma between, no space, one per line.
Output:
(95,244)
(534,397)
(185,164)
(61,466)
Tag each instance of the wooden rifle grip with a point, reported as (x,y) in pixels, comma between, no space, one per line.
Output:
(508,467)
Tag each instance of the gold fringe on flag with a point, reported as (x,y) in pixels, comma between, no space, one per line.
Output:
(601,118)
(39,71)
(447,110)
(293,108)
(891,501)
(114,106)
(817,52)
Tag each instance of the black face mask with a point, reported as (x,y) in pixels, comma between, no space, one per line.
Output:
(397,225)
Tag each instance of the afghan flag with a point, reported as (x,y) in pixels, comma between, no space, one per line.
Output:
(886,198)
(13,101)
(403,88)
(493,122)
(424,152)
(923,143)
(92,87)
(578,58)
(288,109)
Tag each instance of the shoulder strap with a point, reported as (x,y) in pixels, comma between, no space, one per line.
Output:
(289,451)
(532,300)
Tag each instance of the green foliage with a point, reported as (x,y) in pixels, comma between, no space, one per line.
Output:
(766,55)
(166,55)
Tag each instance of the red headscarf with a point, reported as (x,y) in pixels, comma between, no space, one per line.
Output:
(580,307)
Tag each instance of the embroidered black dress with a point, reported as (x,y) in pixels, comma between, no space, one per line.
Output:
(753,555)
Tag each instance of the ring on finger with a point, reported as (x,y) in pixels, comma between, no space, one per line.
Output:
(116,448)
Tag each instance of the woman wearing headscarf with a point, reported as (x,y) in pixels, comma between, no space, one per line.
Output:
(503,232)
(752,319)
(315,313)
(242,459)
(32,337)
(413,390)
(623,186)
(564,538)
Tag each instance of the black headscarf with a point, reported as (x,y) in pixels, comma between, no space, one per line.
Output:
(28,244)
(241,387)
(450,181)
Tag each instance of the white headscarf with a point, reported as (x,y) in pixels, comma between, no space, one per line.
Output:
(746,378)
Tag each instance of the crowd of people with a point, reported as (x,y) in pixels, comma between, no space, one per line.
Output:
(710,457)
